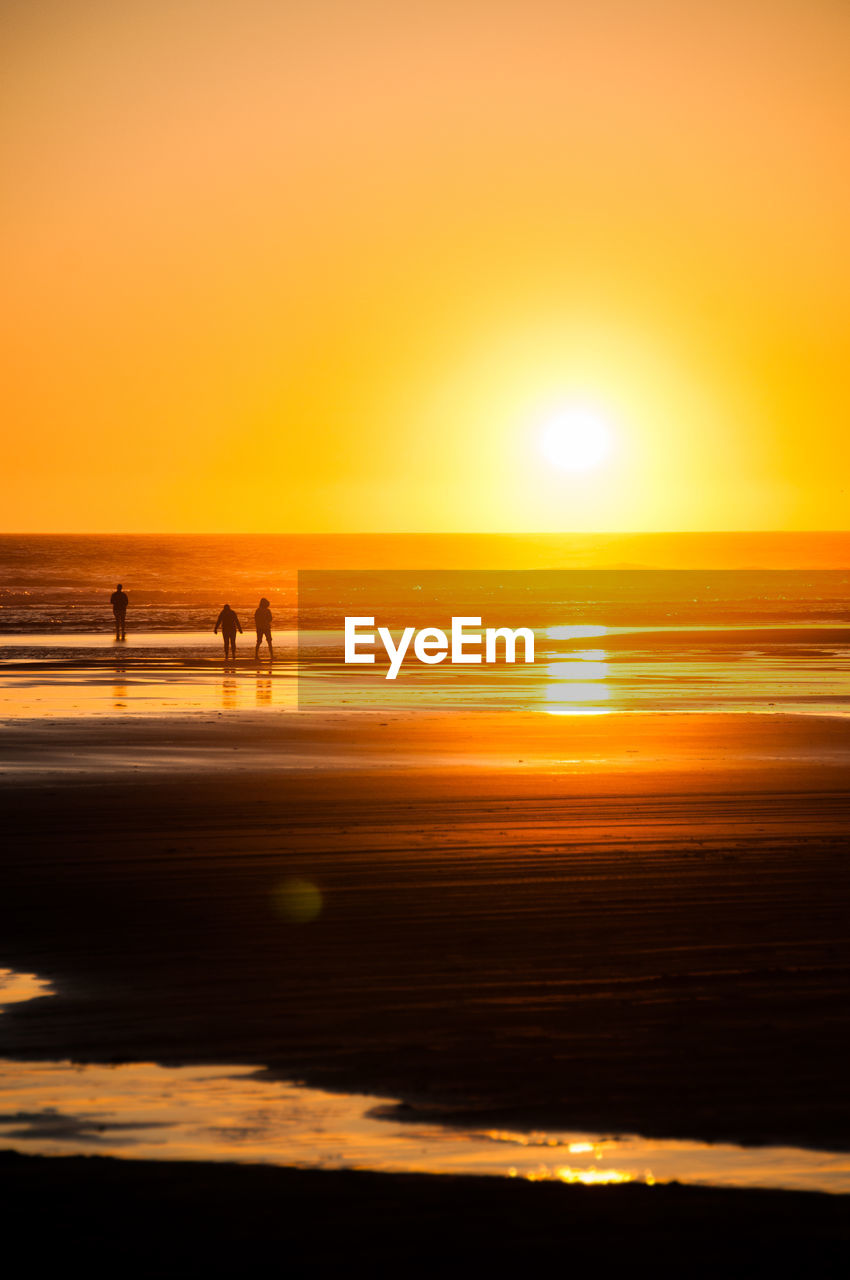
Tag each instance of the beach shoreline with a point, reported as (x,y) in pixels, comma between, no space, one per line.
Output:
(632,924)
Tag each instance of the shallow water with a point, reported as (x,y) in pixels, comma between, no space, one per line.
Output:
(239,1114)
(580,669)
(152,674)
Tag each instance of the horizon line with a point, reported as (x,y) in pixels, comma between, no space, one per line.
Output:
(415,533)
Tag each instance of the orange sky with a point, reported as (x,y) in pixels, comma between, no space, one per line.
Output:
(277,266)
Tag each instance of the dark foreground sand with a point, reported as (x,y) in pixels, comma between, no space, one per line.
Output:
(631,923)
(125,1218)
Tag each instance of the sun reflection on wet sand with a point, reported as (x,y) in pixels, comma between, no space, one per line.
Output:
(577,698)
(711,668)
(233,1113)
(579,631)
(18,987)
(579,672)
(576,685)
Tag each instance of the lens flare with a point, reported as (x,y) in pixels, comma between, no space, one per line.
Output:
(298,901)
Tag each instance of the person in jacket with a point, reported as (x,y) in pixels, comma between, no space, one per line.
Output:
(229,624)
(263,621)
(119,603)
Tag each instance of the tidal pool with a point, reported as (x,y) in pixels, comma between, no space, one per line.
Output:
(142,1110)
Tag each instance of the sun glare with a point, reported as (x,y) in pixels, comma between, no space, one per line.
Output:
(576,439)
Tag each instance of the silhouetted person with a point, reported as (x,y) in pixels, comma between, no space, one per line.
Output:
(229,624)
(263,621)
(119,603)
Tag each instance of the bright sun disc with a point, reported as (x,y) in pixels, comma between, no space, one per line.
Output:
(576,440)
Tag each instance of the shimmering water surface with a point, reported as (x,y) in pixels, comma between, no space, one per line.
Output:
(613,639)
(579,669)
(55,583)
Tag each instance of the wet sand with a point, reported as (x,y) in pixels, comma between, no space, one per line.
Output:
(133,1218)
(633,924)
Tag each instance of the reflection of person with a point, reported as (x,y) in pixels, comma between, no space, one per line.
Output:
(119,603)
(263,620)
(229,624)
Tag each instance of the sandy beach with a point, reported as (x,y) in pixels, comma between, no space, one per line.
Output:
(629,924)
(139,1218)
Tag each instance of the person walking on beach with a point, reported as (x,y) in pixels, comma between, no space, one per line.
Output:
(229,624)
(263,620)
(119,603)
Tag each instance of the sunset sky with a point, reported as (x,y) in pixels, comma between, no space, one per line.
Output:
(278,266)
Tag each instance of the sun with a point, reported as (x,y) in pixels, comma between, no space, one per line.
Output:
(576,439)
